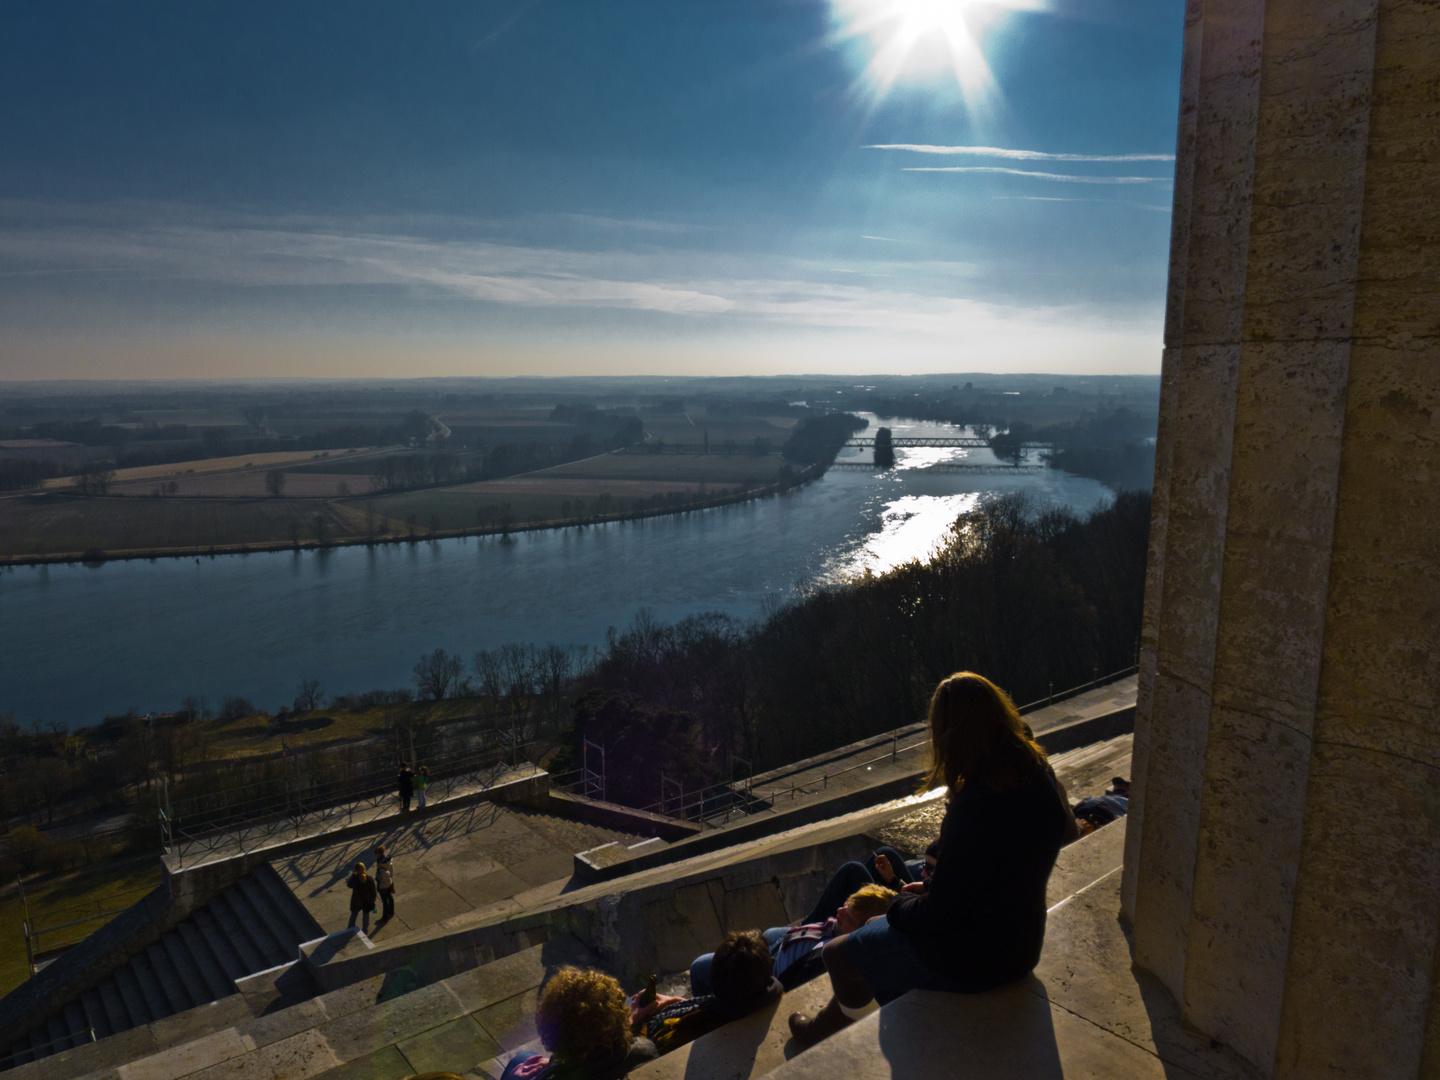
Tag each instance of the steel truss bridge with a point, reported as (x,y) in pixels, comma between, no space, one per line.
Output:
(869,443)
(991,469)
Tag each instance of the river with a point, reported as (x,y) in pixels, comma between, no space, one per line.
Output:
(78,643)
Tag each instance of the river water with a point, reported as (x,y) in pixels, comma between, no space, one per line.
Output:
(78,643)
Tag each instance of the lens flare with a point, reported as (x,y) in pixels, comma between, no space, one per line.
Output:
(920,39)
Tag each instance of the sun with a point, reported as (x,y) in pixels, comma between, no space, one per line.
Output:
(923,39)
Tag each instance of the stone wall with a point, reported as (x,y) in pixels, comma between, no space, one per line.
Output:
(1283,859)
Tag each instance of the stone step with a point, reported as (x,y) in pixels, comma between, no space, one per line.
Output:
(750,1046)
(222,945)
(207,964)
(186,970)
(96,1013)
(140,991)
(382,1027)
(230,910)
(77,1024)
(1084,1012)
(177,998)
(261,916)
(114,1005)
(254,925)
(299,924)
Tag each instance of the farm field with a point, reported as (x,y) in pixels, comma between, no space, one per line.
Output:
(250,483)
(71,526)
(692,430)
(694,469)
(193,470)
(226,507)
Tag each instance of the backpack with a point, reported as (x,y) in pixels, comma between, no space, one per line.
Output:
(384,876)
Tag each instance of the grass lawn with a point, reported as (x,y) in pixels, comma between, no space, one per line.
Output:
(61,898)
(260,736)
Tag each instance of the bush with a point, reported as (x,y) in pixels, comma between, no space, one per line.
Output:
(371,698)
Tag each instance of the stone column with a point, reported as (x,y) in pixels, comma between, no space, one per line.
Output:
(1282,869)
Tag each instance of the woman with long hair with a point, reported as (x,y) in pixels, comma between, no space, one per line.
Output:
(980,921)
(362,896)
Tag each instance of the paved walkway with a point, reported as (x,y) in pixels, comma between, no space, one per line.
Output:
(487,858)
(186,853)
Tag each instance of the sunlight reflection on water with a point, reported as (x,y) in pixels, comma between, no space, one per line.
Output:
(914,526)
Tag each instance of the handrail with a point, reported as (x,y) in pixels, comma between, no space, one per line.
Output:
(319,819)
(698,798)
(72,1040)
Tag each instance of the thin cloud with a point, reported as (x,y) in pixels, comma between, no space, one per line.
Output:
(1015,155)
(293,253)
(886,239)
(1065,177)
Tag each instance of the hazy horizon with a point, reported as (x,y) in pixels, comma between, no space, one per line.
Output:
(548,187)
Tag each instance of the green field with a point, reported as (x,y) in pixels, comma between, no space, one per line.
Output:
(62,898)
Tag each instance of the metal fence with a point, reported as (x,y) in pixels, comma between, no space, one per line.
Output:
(720,802)
(310,807)
(51,932)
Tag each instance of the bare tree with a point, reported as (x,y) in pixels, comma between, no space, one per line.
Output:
(489,680)
(557,667)
(437,674)
(274,482)
(307,697)
(518,673)
(94,478)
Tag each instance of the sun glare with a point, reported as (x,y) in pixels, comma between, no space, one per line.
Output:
(923,39)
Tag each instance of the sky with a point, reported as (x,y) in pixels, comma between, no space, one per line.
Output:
(555,187)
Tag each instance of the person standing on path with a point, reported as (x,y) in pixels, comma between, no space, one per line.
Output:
(406,780)
(422,781)
(385,883)
(362,896)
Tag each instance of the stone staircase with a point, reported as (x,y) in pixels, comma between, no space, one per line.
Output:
(419,1004)
(255,924)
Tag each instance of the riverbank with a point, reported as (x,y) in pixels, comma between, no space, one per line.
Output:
(405,533)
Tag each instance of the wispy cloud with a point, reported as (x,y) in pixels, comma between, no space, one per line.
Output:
(1064,177)
(1015,155)
(886,239)
(741,292)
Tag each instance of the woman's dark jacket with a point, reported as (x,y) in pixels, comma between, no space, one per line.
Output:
(982,918)
(362,893)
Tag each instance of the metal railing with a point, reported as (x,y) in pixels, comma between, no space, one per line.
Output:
(29,1053)
(310,815)
(710,803)
(37,927)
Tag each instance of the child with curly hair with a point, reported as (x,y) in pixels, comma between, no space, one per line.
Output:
(584,1021)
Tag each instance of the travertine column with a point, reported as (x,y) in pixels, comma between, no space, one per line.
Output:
(1283,856)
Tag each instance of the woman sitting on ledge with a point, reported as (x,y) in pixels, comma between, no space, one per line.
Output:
(980,921)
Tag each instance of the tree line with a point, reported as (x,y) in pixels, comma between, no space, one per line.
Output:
(1037,599)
